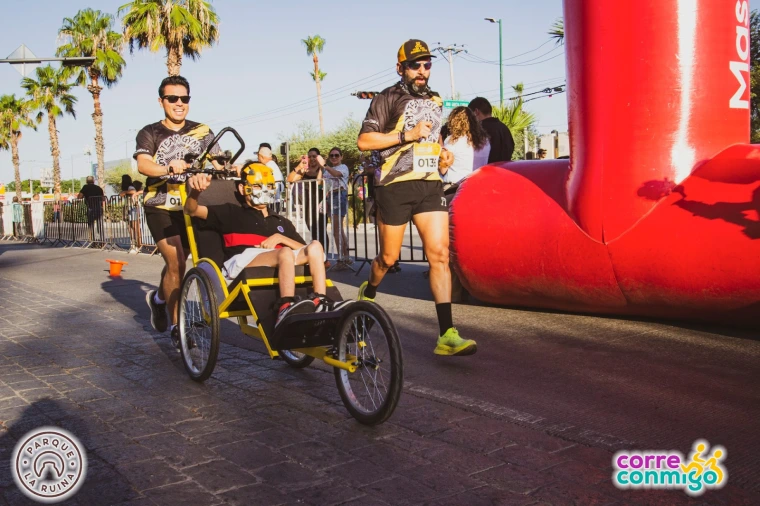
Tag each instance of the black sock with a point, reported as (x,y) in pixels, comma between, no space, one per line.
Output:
(285,300)
(370,291)
(444,316)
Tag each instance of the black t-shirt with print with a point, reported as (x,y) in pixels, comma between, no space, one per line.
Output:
(246,227)
(396,109)
(165,145)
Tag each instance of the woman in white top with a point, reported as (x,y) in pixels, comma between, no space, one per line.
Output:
(469,144)
(336,173)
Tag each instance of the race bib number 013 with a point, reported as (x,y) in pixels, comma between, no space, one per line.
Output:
(426,156)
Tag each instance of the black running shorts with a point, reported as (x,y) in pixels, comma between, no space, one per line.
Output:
(398,202)
(164,224)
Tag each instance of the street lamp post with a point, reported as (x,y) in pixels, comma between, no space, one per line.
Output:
(501,66)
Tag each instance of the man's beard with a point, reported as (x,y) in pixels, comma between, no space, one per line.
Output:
(414,87)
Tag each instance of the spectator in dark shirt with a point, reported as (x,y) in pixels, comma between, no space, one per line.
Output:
(502,143)
(93,196)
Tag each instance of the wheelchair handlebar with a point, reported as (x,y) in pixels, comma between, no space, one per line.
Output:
(211,171)
(226,157)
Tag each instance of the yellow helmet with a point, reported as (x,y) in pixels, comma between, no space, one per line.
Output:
(258,174)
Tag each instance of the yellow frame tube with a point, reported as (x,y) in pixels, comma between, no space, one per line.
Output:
(249,330)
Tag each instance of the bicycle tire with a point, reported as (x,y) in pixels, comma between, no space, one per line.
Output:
(199,360)
(381,347)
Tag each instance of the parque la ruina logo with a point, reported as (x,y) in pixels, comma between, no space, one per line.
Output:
(48,464)
(652,469)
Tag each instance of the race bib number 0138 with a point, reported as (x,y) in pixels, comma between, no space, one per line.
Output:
(426,156)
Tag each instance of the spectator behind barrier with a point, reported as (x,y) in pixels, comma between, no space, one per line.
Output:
(93,195)
(502,143)
(312,169)
(469,144)
(337,202)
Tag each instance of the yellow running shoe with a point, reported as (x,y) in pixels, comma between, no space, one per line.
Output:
(361,292)
(452,345)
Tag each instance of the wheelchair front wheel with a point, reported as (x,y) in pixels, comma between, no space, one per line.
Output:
(198,325)
(296,359)
(368,339)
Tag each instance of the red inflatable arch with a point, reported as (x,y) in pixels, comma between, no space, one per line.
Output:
(657,212)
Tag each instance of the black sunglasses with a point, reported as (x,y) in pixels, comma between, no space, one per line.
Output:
(334,155)
(415,65)
(172,99)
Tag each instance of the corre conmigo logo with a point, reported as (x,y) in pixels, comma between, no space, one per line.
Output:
(48,464)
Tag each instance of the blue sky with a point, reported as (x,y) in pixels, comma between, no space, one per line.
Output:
(256,78)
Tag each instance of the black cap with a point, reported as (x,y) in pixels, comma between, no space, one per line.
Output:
(413,49)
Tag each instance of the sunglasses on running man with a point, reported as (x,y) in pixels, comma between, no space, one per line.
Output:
(172,99)
(415,65)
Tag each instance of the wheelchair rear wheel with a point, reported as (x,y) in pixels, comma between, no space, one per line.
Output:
(198,325)
(372,392)
(296,359)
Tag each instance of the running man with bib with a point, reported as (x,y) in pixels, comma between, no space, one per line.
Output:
(160,153)
(403,127)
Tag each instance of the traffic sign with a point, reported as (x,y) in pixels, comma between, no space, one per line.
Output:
(450,104)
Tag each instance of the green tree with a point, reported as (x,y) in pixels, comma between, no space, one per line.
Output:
(50,94)
(23,186)
(557,31)
(113,175)
(754,75)
(89,33)
(518,120)
(314,45)
(72,185)
(181,27)
(15,113)
(307,136)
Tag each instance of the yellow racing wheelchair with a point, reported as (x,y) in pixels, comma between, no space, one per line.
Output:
(359,341)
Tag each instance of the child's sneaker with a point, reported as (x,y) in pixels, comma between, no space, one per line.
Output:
(300,307)
(324,304)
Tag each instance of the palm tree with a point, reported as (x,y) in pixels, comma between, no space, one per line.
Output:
(322,76)
(315,44)
(557,31)
(89,34)
(14,114)
(519,121)
(50,93)
(513,115)
(182,27)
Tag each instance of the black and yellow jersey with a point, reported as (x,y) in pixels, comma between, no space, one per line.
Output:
(395,109)
(165,145)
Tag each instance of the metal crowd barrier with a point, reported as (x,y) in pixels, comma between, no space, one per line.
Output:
(310,204)
(118,223)
(109,223)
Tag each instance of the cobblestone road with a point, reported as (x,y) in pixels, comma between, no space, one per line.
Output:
(258,432)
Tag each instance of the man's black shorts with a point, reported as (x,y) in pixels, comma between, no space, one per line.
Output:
(398,202)
(164,224)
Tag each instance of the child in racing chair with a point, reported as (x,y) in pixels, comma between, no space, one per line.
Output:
(254,237)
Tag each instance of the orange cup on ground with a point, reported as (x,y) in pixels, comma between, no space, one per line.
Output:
(115,268)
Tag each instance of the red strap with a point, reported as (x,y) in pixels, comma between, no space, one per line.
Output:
(253,240)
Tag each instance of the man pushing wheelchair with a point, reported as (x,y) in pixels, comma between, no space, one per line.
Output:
(254,237)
